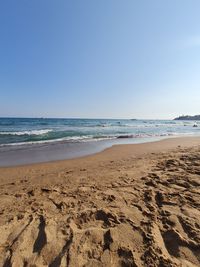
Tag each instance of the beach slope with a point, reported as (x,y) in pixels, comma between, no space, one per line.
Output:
(130,205)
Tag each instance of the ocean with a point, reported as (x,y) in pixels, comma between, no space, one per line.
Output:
(27,141)
(19,131)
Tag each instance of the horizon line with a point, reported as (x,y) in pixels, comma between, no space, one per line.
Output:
(78,118)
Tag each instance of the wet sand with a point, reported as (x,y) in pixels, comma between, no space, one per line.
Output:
(15,155)
(130,205)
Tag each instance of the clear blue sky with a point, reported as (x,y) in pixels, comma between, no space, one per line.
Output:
(99,58)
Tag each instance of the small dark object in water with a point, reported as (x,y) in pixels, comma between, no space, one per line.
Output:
(125,136)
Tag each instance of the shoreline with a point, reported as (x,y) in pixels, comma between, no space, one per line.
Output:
(41,154)
(116,152)
(49,152)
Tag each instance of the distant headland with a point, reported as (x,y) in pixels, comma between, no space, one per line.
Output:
(188,118)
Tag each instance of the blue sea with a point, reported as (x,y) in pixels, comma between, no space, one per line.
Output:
(19,131)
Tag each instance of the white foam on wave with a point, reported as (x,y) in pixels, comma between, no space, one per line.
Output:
(33,132)
(71,139)
(91,138)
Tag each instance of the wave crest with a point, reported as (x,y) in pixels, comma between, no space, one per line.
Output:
(33,132)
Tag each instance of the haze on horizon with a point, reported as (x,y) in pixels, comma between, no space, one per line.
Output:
(99,59)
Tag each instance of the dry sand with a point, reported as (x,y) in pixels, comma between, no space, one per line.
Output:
(131,205)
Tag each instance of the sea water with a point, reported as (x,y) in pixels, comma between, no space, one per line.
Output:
(29,140)
(19,131)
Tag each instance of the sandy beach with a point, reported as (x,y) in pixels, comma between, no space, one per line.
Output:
(130,205)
